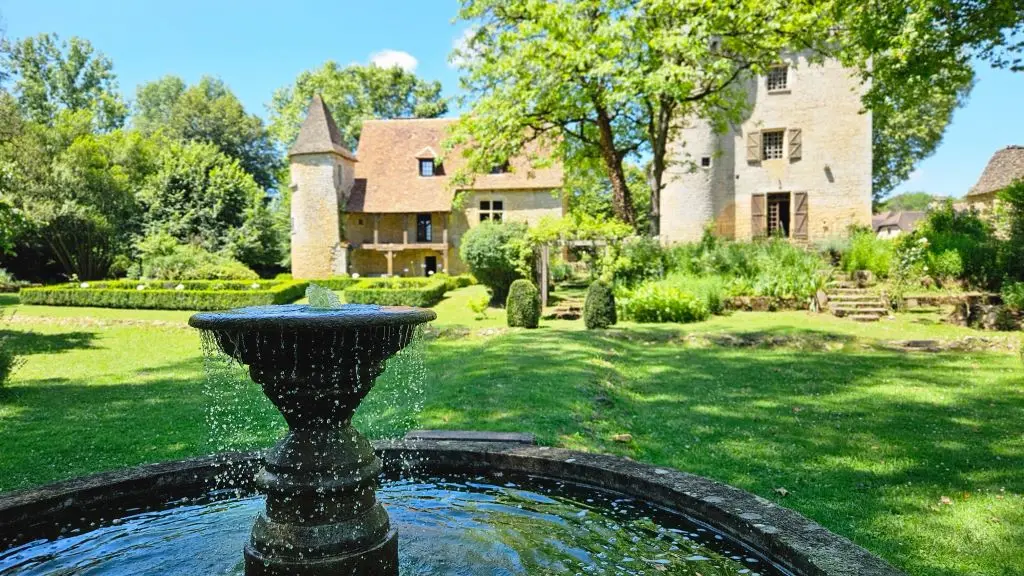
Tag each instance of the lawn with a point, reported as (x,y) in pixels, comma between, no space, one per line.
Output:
(916,456)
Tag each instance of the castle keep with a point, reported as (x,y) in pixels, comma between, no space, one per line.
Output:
(798,166)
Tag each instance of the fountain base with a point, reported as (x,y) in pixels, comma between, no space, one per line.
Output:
(381,560)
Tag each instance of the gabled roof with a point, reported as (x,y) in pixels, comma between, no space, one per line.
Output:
(387,176)
(319,134)
(1005,167)
(904,220)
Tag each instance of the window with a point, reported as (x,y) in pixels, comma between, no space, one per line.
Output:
(491,210)
(771,144)
(778,78)
(427,167)
(424,228)
(705,162)
(360,221)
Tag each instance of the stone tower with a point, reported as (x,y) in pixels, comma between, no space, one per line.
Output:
(321,179)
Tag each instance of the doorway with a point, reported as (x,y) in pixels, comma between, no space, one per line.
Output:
(779,214)
(430,265)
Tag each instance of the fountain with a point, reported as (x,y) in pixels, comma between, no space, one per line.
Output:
(467,505)
(316,366)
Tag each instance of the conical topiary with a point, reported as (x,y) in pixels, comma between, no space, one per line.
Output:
(599,307)
(523,305)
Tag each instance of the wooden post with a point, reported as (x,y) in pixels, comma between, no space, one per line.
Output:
(391,262)
(444,259)
(405,228)
(376,228)
(544,275)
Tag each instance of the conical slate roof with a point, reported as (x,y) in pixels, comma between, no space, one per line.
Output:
(319,134)
(1005,167)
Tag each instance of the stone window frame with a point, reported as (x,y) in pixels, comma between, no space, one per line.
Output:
(781,149)
(488,211)
(776,85)
(705,161)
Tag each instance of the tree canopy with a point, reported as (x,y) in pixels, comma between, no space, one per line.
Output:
(353,94)
(51,76)
(208,112)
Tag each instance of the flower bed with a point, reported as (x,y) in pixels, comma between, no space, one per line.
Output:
(421,292)
(164,295)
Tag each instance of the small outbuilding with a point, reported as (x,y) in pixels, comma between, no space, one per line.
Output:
(892,224)
(1005,167)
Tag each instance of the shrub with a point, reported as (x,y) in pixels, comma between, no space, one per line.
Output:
(8,361)
(636,261)
(868,252)
(945,265)
(523,305)
(970,236)
(1013,296)
(419,292)
(455,282)
(479,307)
(163,258)
(498,253)
(190,295)
(599,306)
(711,290)
(336,283)
(660,302)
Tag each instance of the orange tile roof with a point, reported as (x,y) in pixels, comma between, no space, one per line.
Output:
(387,175)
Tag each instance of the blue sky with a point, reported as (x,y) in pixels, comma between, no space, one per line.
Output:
(258,46)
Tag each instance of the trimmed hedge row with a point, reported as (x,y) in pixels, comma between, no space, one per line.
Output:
(420,292)
(195,295)
(336,283)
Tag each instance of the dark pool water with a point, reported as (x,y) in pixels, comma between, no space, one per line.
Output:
(461,526)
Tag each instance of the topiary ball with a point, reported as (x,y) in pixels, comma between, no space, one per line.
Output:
(523,305)
(599,307)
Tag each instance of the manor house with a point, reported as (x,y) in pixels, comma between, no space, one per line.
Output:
(388,209)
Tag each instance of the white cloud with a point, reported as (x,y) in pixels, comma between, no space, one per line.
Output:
(461,52)
(390,58)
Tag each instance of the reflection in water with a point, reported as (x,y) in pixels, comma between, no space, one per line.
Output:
(464,526)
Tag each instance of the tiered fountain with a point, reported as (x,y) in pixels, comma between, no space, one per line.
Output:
(316,366)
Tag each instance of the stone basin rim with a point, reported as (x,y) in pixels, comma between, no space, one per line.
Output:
(303,316)
(787,538)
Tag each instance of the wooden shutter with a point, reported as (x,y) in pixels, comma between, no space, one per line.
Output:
(796,146)
(800,215)
(757,216)
(753,147)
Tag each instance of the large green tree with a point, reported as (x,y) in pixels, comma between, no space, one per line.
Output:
(353,94)
(201,196)
(916,58)
(208,112)
(614,77)
(51,76)
(75,188)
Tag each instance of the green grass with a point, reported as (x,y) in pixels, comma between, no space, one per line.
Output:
(867,441)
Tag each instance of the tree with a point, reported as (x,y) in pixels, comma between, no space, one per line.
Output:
(916,56)
(51,76)
(76,188)
(614,77)
(915,201)
(199,195)
(353,94)
(497,254)
(209,112)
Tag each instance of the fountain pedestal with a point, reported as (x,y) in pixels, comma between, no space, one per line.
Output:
(322,516)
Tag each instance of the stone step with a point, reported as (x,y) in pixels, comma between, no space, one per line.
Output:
(848,311)
(842,284)
(865,318)
(854,298)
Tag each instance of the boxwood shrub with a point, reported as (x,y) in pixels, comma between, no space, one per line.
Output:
(659,302)
(523,304)
(336,283)
(420,292)
(164,295)
(599,306)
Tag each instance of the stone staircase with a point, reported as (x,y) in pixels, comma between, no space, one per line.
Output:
(565,310)
(847,300)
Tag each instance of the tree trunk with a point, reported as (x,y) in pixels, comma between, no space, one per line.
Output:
(622,200)
(659,129)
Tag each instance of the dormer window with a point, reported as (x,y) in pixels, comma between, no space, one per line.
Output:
(426,167)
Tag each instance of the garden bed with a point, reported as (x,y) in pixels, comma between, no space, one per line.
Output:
(421,292)
(164,295)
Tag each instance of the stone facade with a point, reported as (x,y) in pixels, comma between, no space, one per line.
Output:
(819,185)
(320,186)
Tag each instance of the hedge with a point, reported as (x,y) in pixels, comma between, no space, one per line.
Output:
(522,307)
(163,295)
(336,283)
(599,306)
(420,292)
